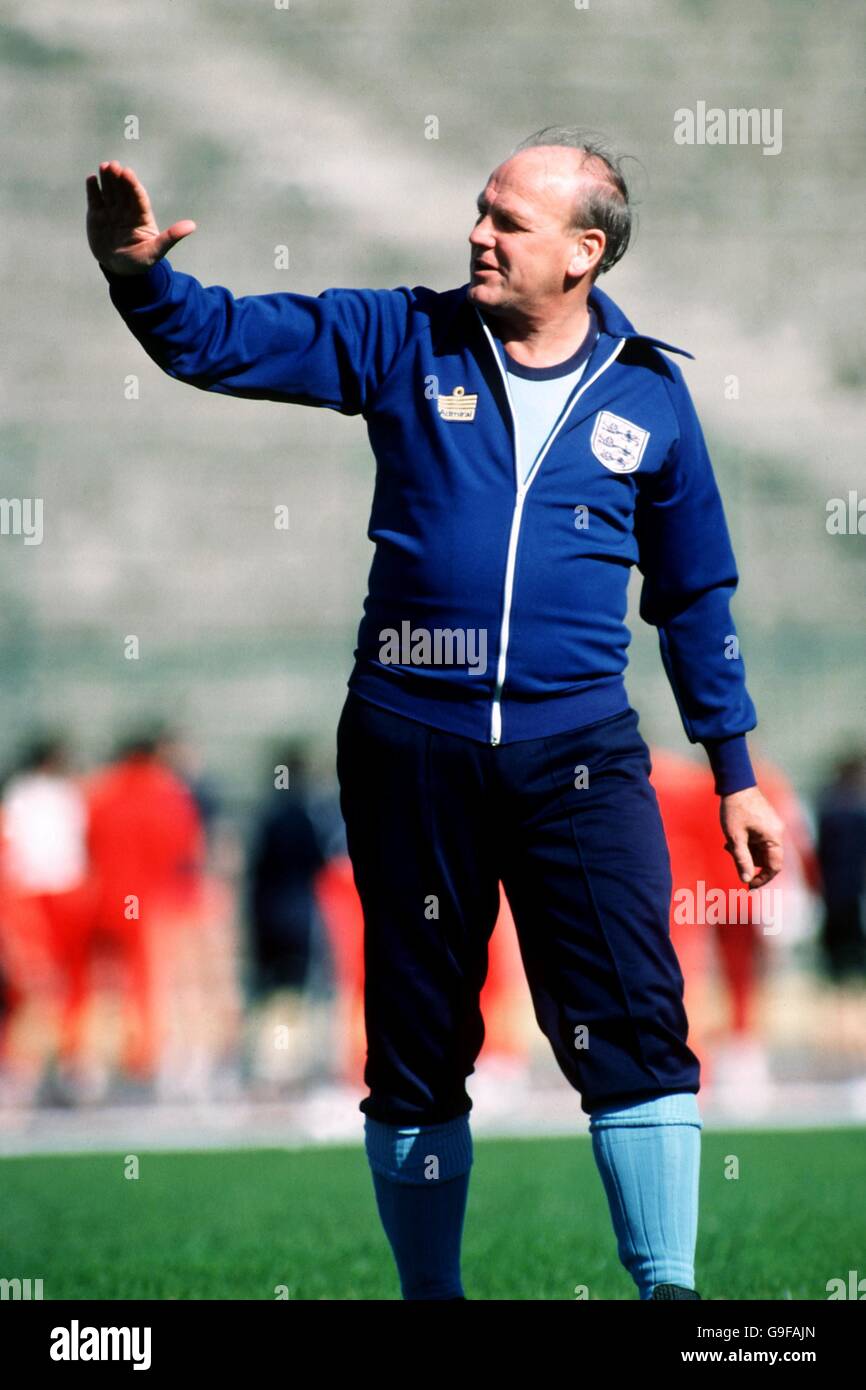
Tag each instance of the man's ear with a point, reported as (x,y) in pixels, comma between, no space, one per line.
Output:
(587,252)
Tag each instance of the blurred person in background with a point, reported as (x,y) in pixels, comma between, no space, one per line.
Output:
(734,949)
(342,919)
(742,947)
(146,844)
(179,752)
(841,818)
(209,966)
(45,924)
(285,856)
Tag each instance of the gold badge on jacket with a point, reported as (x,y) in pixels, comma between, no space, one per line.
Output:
(457,406)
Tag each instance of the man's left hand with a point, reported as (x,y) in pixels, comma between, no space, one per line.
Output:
(753,835)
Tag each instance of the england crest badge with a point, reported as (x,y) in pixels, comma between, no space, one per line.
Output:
(617,443)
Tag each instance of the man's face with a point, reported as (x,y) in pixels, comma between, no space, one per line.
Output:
(522,248)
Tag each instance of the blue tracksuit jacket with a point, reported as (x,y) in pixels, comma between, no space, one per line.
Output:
(495,610)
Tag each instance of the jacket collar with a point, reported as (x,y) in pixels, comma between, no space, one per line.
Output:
(611,320)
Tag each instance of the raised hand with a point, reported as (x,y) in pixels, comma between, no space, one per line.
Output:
(121,228)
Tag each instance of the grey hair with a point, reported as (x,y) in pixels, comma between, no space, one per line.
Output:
(603,203)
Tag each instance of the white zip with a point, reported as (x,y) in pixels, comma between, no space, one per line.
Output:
(522,489)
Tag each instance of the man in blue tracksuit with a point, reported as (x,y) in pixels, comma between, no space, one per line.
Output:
(531,446)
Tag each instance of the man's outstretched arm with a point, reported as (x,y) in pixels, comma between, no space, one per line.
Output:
(330,350)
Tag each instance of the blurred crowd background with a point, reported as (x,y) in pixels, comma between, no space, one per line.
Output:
(177,916)
(156,946)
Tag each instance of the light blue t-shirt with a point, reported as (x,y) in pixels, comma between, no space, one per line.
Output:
(540,394)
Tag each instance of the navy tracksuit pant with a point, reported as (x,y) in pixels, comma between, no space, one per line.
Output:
(434,822)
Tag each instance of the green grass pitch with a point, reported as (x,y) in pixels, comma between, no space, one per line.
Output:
(230,1224)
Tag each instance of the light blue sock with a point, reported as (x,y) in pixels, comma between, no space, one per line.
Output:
(421,1181)
(648,1156)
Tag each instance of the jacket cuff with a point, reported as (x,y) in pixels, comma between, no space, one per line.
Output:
(138,289)
(731,764)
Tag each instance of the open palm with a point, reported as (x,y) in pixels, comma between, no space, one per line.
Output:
(121,229)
